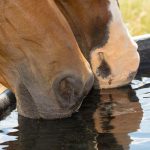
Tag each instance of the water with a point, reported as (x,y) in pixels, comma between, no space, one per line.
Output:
(117,119)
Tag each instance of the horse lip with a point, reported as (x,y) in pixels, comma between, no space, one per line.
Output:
(61,113)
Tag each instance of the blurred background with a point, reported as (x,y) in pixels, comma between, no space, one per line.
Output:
(136,14)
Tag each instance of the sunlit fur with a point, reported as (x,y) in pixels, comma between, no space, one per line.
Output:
(37,47)
(120,53)
(103,39)
(50,49)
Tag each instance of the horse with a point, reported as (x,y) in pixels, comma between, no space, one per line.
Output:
(53,51)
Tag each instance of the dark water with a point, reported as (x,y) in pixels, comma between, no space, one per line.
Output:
(117,119)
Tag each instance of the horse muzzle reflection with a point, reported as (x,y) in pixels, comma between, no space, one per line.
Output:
(103,122)
(118,113)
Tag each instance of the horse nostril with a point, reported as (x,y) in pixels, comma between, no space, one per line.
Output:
(68,91)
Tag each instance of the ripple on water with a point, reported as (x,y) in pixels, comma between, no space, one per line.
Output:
(141,138)
(8,126)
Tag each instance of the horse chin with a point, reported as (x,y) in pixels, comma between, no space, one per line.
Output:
(114,82)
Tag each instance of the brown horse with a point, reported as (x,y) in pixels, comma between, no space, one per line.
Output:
(50,49)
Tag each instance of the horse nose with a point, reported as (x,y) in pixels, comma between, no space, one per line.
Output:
(70,90)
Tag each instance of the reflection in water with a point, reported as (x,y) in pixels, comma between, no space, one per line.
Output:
(108,120)
(117,114)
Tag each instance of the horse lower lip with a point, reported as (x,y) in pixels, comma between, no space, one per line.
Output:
(65,114)
(57,114)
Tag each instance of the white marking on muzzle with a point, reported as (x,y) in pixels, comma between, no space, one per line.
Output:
(120,52)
